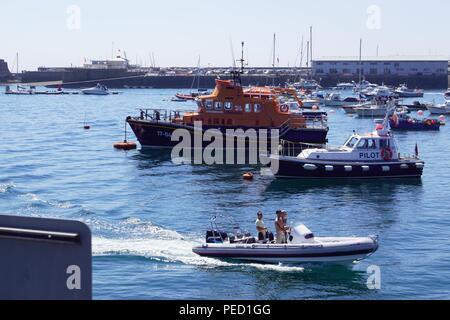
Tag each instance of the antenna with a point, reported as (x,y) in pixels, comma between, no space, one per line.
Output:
(360,62)
(301,53)
(232,54)
(274,54)
(311,43)
(242,57)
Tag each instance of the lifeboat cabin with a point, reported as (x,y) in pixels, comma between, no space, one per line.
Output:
(230,106)
(373,155)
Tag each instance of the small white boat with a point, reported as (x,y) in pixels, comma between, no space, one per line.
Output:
(20,91)
(302,248)
(345,86)
(98,90)
(404,92)
(335,100)
(440,109)
(447,94)
(350,109)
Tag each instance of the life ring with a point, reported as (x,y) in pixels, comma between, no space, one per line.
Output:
(387,154)
(284,108)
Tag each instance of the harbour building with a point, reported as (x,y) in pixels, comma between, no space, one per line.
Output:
(425,72)
(4,71)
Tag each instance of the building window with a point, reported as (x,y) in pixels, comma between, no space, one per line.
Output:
(319,71)
(373,71)
(333,71)
(387,71)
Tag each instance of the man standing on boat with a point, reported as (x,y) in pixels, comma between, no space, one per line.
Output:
(261,227)
(281,227)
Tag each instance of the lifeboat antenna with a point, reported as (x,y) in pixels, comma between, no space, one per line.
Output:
(242,60)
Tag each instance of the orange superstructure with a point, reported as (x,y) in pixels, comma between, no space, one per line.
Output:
(232,105)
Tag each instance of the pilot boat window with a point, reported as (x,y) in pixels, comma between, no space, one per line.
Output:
(209,104)
(228,105)
(248,107)
(367,144)
(218,105)
(351,142)
(384,143)
(257,107)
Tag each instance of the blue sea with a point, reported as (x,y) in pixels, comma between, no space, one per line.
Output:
(146,212)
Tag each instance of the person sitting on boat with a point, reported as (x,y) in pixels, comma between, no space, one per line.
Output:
(261,227)
(281,227)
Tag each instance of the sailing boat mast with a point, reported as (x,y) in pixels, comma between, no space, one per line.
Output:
(273,61)
(360,62)
(301,54)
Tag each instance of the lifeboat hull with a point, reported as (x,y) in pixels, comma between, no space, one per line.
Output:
(154,134)
(291,167)
(326,250)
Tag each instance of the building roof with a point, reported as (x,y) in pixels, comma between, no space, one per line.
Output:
(386,58)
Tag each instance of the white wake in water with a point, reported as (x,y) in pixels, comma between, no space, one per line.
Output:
(172,251)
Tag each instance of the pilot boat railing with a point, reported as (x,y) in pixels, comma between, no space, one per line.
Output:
(293,149)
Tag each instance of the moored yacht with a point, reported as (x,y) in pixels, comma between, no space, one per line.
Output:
(404,92)
(98,90)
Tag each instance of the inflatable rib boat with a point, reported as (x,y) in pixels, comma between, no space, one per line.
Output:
(302,248)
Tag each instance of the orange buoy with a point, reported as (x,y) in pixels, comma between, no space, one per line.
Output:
(125,145)
(248,176)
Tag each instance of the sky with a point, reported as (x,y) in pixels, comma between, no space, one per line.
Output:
(178,32)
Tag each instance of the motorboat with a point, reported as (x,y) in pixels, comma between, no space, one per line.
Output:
(314,113)
(404,92)
(381,92)
(447,94)
(335,100)
(345,86)
(350,109)
(371,155)
(441,109)
(375,109)
(302,247)
(19,91)
(403,121)
(417,106)
(98,90)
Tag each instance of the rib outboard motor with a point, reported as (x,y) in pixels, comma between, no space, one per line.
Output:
(216,236)
(301,234)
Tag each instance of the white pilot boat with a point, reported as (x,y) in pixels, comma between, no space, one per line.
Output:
(98,90)
(372,155)
(302,248)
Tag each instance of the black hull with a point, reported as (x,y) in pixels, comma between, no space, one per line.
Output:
(397,169)
(153,134)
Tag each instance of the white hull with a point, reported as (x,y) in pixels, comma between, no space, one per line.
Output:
(321,250)
(371,112)
(95,92)
(445,109)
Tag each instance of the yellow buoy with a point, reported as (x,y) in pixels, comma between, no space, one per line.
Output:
(125,145)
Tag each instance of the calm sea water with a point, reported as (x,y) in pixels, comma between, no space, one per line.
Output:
(146,213)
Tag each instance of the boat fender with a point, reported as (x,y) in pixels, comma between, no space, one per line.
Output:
(386,168)
(348,168)
(387,154)
(365,168)
(429,122)
(420,165)
(329,168)
(404,166)
(310,167)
